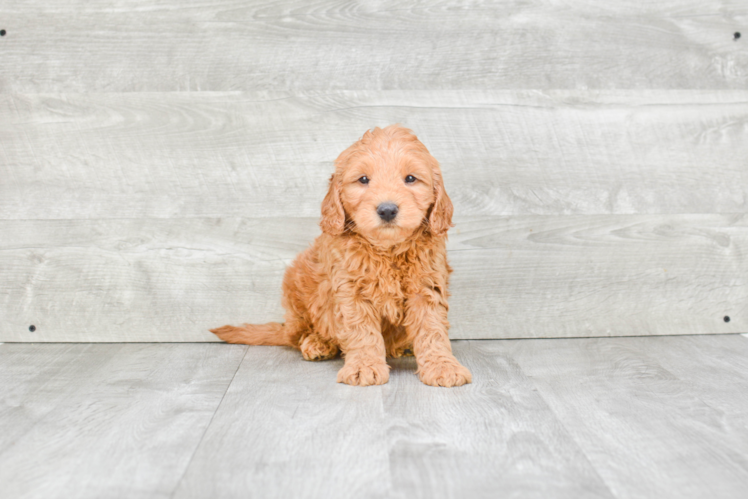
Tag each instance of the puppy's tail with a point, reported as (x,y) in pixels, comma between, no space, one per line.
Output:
(267,334)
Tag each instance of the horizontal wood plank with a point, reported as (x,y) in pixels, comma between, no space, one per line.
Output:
(170,280)
(331,45)
(270,154)
(570,276)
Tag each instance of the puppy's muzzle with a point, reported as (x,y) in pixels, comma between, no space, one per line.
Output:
(387,211)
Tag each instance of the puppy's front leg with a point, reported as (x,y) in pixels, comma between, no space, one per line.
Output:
(427,325)
(360,337)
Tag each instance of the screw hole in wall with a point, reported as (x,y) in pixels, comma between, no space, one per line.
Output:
(727,319)
(32,328)
(2,32)
(736,35)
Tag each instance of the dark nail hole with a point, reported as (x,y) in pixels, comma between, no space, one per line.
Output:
(2,32)
(727,319)
(32,328)
(735,36)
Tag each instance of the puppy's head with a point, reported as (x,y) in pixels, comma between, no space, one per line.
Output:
(386,186)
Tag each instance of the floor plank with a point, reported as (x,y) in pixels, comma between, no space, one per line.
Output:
(716,368)
(647,431)
(36,379)
(332,44)
(620,417)
(287,429)
(270,154)
(495,438)
(721,371)
(106,420)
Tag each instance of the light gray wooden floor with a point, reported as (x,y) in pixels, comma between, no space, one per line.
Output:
(594,417)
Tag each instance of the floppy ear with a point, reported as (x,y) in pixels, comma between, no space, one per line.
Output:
(440,218)
(333,215)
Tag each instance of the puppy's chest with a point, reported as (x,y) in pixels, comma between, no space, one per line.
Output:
(385,286)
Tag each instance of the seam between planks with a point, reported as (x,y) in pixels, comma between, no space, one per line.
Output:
(581,449)
(49,379)
(579,445)
(197,447)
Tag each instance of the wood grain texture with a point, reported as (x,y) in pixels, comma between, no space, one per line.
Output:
(649,432)
(607,275)
(163,280)
(286,429)
(269,154)
(719,374)
(494,438)
(635,417)
(36,379)
(106,420)
(232,45)
(515,277)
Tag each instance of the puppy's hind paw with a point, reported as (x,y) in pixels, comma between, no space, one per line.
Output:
(313,348)
(402,352)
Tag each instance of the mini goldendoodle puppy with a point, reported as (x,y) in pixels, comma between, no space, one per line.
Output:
(374,283)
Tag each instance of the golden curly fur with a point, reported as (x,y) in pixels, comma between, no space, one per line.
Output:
(369,286)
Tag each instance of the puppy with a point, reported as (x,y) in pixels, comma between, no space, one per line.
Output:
(374,283)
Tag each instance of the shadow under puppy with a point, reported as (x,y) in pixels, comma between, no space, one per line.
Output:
(374,283)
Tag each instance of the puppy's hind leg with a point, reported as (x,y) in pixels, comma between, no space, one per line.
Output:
(315,348)
(396,340)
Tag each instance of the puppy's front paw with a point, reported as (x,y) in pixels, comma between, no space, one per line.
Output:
(358,373)
(444,374)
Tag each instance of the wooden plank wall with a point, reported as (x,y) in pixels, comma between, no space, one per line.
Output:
(160,165)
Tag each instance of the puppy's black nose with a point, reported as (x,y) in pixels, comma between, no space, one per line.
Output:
(387,211)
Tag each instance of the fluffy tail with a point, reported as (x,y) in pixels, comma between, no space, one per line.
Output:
(267,334)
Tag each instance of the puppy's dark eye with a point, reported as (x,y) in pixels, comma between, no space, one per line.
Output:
(410,179)
(364,180)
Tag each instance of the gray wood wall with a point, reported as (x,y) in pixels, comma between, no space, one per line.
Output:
(161,163)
